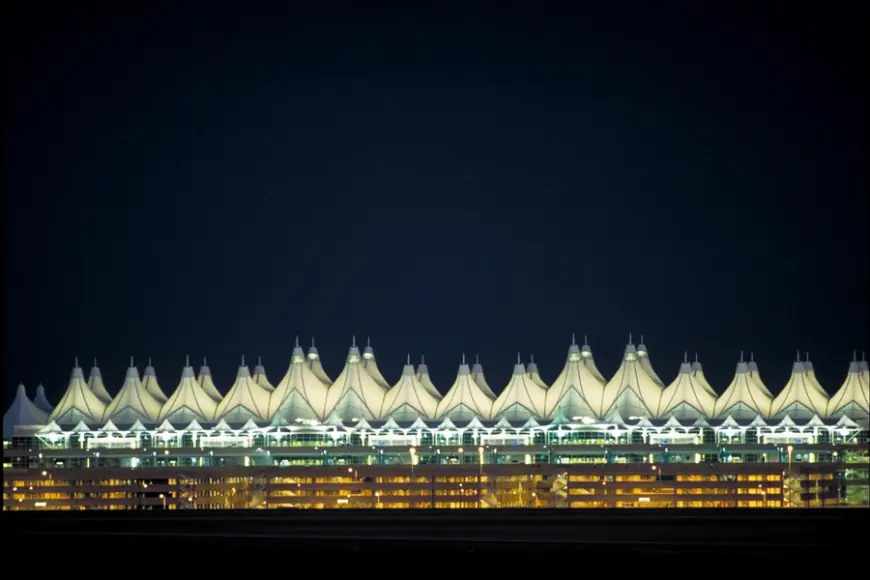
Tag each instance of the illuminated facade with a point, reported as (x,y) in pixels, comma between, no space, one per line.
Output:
(632,441)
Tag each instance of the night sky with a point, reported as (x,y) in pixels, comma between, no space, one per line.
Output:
(213,181)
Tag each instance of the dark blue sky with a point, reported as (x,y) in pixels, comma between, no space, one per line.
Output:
(211,181)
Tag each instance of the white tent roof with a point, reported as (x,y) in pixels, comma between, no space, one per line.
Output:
(354,394)
(316,366)
(149,382)
(479,378)
(744,398)
(97,386)
(799,399)
(853,397)
(300,394)
(589,360)
(371,366)
(78,402)
(686,398)
(245,399)
(752,367)
(644,360)
(426,380)
(811,375)
(863,367)
(409,400)
(41,401)
(520,399)
(22,412)
(533,374)
(631,392)
(576,392)
(207,383)
(132,402)
(701,378)
(260,376)
(466,399)
(189,401)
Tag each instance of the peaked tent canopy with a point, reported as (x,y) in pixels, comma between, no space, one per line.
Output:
(811,375)
(132,402)
(466,399)
(300,394)
(245,400)
(521,399)
(752,367)
(41,401)
(589,360)
(260,376)
(22,413)
(189,402)
(409,400)
(78,403)
(149,382)
(865,370)
(799,399)
(533,374)
(207,383)
(686,398)
(425,380)
(371,366)
(701,378)
(744,399)
(316,366)
(631,392)
(354,394)
(576,392)
(646,363)
(97,386)
(479,378)
(852,399)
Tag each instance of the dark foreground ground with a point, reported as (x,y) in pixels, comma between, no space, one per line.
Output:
(781,539)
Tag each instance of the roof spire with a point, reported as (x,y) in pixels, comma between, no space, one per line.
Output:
(798,359)
(131,361)
(685,356)
(585,340)
(741,356)
(95,361)
(573,341)
(204,361)
(477,359)
(751,356)
(409,359)
(532,358)
(641,338)
(518,358)
(629,338)
(807,356)
(312,342)
(259,360)
(696,356)
(297,341)
(353,340)
(243,360)
(77,362)
(422,359)
(187,360)
(369,341)
(463,358)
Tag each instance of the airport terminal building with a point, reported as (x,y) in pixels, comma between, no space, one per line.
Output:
(356,441)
